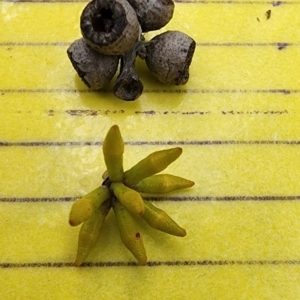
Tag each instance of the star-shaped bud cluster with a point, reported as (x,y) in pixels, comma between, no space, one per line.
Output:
(120,191)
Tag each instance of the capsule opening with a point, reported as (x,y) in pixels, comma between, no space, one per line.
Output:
(103,20)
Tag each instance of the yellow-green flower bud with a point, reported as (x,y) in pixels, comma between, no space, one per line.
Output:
(129,233)
(90,231)
(162,183)
(129,198)
(152,164)
(113,149)
(83,208)
(160,220)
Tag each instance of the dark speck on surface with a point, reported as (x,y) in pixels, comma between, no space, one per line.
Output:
(276,3)
(282,46)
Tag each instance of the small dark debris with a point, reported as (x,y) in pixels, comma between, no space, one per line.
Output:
(50,112)
(276,3)
(268,14)
(282,46)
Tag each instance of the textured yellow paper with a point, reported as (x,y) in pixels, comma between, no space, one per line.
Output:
(237,120)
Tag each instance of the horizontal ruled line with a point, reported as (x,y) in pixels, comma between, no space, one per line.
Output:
(160,199)
(151,113)
(151,143)
(224,198)
(49,144)
(93,112)
(158,91)
(279,45)
(273,3)
(34,44)
(37,199)
(185,263)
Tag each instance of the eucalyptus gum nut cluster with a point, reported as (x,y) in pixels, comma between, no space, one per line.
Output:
(113,28)
(169,56)
(110,26)
(120,192)
(96,70)
(153,14)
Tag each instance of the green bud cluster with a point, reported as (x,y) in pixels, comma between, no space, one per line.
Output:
(120,191)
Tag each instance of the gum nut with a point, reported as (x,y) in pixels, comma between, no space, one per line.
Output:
(128,86)
(169,56)
(153,14)
(110,26)
(95,69)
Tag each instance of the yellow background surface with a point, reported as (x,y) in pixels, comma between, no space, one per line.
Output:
(237,121)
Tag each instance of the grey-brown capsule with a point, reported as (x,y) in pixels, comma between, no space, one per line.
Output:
(95,69)
(153,14)
(128,85)
(169,56)
(110,26)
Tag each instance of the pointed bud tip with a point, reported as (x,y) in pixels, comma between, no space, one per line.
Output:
(179,151)
(73,222)
(78,262)
(113,130)
(183,233)
(114,127)
(141,259)
(142,262)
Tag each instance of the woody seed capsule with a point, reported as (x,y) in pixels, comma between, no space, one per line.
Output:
(128,85)
(153,14)
(95,69)
(169,56)
(110,26)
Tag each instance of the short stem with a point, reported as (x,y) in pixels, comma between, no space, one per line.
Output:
(106,182)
